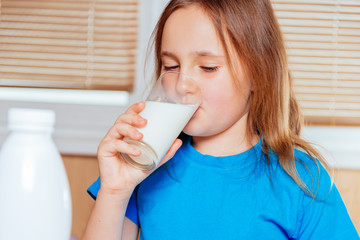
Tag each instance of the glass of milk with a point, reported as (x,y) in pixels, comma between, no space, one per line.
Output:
(172,102)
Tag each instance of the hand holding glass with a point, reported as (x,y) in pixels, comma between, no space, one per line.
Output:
(172,102)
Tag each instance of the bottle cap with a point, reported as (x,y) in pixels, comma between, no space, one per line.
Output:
(31,119)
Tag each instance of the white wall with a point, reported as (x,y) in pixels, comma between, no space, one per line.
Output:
(339,145)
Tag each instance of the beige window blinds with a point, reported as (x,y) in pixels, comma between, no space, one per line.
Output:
(323,44)
(79,44)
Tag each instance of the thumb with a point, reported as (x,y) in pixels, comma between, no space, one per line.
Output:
(171,152)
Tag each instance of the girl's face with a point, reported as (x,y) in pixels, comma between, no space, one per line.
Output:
(191,45)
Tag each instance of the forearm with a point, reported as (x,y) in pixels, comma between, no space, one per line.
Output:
(107,218)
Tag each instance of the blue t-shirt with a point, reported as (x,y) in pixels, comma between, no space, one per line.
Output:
(197,196)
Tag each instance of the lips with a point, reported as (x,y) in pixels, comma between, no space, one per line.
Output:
(195,112)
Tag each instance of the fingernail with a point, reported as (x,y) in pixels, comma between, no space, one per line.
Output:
(137,134)
(140,119)
(135,151)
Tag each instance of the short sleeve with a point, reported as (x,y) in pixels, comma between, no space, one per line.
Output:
(326,216)
(131,210)
(94,188)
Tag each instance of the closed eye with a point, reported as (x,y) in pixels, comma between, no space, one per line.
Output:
(168,68)
(209,69)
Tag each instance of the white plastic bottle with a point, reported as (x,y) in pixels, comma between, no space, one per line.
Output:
(35,201)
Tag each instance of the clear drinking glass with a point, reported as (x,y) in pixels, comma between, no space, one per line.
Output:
(172,102)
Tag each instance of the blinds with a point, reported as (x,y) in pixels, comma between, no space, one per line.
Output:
(75,44)
(323,45)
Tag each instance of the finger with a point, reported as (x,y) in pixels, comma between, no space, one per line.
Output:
(132,119)
(171,152)
(111,148)
(121,130)
(136,108)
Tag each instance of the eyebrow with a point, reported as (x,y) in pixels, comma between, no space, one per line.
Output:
(197,54)
(207,54)
(167,54)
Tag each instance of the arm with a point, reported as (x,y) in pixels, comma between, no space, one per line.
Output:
(107,216)
(119,179)
(130,231)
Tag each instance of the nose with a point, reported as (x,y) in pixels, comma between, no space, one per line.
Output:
(181,88)
(188,90)
(185,85)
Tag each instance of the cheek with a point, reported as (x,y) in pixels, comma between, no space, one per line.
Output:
(214,95)
(218,98)
(227,103)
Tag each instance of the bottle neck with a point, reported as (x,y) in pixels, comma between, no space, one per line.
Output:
(30,138)
(40,129)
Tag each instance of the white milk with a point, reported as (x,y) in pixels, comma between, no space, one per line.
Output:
(165,121)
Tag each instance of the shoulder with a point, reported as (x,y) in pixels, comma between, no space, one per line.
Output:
(323,213)
(309,170)
(313,173)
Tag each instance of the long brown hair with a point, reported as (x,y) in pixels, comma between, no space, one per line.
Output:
(251,36)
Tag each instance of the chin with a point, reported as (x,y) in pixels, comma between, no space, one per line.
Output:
(195,130)
(196,127)
(191,129)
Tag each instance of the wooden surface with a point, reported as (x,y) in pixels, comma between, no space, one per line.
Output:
(82,171)
(348,183)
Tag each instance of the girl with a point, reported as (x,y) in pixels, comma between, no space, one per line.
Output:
(240,170)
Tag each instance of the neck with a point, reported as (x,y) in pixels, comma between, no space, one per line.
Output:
(232,141)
